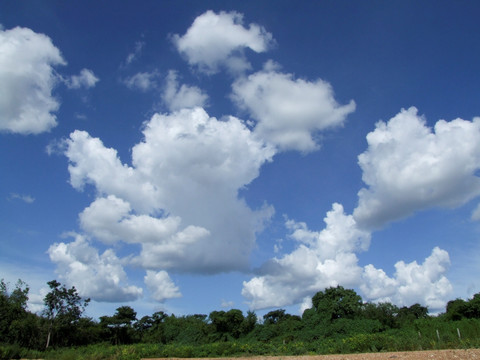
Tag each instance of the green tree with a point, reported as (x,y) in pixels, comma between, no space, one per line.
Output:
(336,302)
(456,309)
(473,307)
(274,317)
(190,329)
(63,309)
(151,328)
(226,324)
(248,323)
(17,325)
(120,324)
(412,313)
(385,313)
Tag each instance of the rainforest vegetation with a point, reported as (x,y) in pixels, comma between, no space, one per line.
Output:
(338,322)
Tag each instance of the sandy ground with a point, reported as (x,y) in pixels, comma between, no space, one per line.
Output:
(406,355)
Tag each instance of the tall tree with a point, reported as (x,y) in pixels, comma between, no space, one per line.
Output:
(337,302)
(63,307)
(121,324)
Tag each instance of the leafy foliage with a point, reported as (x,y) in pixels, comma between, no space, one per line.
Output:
(63,309)
(338,322)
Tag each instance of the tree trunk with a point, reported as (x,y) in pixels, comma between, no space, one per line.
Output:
(48,336)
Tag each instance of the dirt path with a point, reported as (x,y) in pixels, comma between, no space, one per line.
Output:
(404,355)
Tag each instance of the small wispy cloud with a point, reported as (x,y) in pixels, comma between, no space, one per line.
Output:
(25,198)
(143,81)
(85,79)
(136,53)
(227,304)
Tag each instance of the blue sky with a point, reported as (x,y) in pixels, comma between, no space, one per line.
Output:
(192,156)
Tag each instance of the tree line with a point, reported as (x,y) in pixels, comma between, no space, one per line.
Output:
(338,317)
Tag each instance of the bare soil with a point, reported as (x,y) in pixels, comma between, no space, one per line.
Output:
(470,354)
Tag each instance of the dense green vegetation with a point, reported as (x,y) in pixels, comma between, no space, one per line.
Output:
(338,322)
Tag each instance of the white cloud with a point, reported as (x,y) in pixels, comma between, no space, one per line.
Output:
(227,304)
(25,198)
(408,167)
(412,283)
(216,40)
(289,112)
(199,164)
(100,277)
(85,79)
(321,259)
(162,240)
(131,57)
(27,79)
(143,81)
(161,286)
(476,213)
(110,220)
(179,199)
(328,258)
(178,97)
(90,162)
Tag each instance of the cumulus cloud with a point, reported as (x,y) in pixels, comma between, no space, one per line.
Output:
(289,112)
(178,97)
(110,219)
(90,162)
(217,40)
(412,283)
(321,259)
(328,258)
(161,286)
(179,199)
(98,276)
(409,167)
(143,81)
(85,79)
(27,79)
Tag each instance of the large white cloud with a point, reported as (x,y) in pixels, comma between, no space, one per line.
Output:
(111,219)
(27,79)
(289,112)
(322,259)
(216,40)
(409,167)
(328,258)
(179,199)
(98,276)
(199,164)
(90,162)
(412,283)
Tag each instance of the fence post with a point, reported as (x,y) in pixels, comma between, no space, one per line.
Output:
(438,336)
(459,336)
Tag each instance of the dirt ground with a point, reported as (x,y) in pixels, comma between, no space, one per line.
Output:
(405,355)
